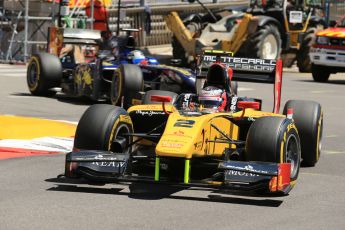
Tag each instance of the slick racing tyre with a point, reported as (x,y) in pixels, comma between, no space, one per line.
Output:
(44,73)
(126,85)
(308,117)
(148,94)
(265,43)
(303,59)
(274,139)
(320,73)
(104,127)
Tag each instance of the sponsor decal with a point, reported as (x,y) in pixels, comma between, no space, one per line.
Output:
(238,60)
(247,64)
(290,126)
(198,145)
(251,119)
(169,144)
(125,119)
(233,104)
(248,168)
(238,173)
(113,164)
(178,133)
(149,112)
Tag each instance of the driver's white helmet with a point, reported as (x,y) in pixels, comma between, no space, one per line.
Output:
(136,56)
(212,97)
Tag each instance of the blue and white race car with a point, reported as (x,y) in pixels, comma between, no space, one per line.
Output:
(117,71)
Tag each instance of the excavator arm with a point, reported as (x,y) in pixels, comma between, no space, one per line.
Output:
(180,31)
(247,26)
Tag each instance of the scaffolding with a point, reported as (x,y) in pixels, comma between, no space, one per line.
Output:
(24,23)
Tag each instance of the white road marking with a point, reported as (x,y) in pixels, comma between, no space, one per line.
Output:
(17,71)
(16,75)
(51,144)
(332,152)
(21,97)
(245,89)
(70,122)
(322,91)
(331,136)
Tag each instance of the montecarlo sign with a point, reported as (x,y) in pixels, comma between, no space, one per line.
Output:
(238,63)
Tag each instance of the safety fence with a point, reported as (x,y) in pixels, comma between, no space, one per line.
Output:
(24,23)
(336,9)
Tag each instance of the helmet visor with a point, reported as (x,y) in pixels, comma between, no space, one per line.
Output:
(210,102)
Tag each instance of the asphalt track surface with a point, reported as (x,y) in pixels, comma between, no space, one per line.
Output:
(32,198)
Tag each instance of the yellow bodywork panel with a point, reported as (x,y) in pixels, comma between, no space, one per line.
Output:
(151,107)
(197,135)
(194,136)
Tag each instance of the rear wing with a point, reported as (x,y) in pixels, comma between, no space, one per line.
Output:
(81,36)
(246,69)
(58,36)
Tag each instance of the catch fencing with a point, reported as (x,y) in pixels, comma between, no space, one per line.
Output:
(24,23)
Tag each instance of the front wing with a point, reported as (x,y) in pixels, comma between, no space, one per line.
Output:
(109,167)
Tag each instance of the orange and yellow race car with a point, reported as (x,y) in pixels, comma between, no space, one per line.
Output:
(213,138)
(328,52)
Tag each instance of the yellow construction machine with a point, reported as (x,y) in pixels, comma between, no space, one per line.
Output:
(269,29)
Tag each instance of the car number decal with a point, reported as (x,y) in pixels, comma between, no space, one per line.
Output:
(184,123)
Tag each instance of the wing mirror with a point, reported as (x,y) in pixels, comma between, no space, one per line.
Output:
(159,98)
(248,105)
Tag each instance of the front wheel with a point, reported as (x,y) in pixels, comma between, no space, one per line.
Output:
(319,73)
(104,127)
(127,83)
(275,139)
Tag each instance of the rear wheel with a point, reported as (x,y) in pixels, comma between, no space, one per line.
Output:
(274,139)
(319,73)
(308,117)
(44,73)
(127,83)
(104,127)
